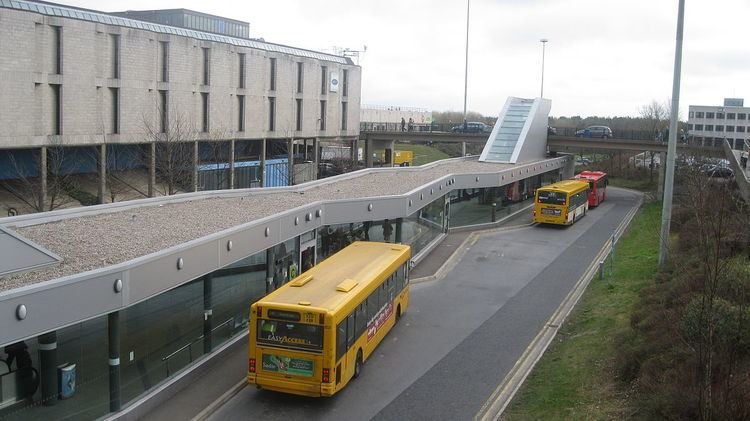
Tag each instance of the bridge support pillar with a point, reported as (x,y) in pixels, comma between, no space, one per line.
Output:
(102,163)
(368,152)
(463,148)
(399,231)
(662,169)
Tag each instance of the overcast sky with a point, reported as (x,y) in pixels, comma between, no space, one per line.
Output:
(604,57)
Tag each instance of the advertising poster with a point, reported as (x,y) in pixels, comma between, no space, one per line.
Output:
(288,365)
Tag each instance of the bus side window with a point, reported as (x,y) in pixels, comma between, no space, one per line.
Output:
(406,274)
(360,320)
(383,294)
(372,306)
(391,287)
(350,336)
(341,340)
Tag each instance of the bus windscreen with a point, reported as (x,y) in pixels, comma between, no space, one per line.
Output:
(282,334)
(552,197)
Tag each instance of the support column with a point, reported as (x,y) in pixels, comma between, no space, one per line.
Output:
(151,168)
(304,141)
(48,367)
(263,163)
(368,152)
(270,269)
(207,314)
(113,334)
(662,169)
(391,158)
(102,173)
(463,148)
(316,155)
(290,150)
(43,178)
(399,230)
(354,151)
(195,165)
(231,164)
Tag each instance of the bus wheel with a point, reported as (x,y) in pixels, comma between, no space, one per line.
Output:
(358,364)
(398,313)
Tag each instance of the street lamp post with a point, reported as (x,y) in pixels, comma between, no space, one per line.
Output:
(666,212)
(544,44)
(466,66)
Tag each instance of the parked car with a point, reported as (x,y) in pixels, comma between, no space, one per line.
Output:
(603,132)
(472,127)
(717,171)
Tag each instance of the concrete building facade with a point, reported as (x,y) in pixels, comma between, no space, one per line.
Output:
(712,124)
(71,77)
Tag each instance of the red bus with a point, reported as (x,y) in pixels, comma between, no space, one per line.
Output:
(597,185)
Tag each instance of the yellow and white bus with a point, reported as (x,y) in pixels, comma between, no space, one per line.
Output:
(561,203)
(312,335)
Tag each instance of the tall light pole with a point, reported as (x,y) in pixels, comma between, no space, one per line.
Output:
(544,44)
(466,67)
(666,211)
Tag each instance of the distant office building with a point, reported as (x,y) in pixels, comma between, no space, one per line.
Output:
(382,117)
(191,19)
(712,124)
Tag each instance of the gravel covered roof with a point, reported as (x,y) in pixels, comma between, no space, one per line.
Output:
(95,241)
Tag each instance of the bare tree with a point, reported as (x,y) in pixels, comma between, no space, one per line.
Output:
(29,189)
(654,117)
(173,137)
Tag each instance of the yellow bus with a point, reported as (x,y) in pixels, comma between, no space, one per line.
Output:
(561,203)
(312,335)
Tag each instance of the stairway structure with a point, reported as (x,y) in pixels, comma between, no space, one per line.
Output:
(520,133)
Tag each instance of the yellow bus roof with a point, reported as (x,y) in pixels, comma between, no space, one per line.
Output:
(567,186)
(330,284)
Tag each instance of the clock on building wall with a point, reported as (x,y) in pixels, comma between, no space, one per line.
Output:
(334,82)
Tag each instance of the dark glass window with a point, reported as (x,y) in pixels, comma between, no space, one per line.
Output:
(240,113)
(551,197)
(300,76)
(323,80)
(206,66)
(273,74)
(204,109)
(243,59)
(292,335)
(323,107)
(699,114)
(271,114)
(344,114)
(299,114)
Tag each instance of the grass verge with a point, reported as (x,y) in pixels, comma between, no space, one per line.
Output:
(575,379)
(422,154)
(640,184)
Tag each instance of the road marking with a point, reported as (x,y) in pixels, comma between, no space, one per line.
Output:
(220,401)
(503,394)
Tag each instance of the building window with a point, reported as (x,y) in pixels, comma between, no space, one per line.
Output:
(300,76)
(323,107)
(698,127)
(741,116)
(56,101)
(709,127)
(323,80)
(730,116)
(204,112)
(163,111)
(730,129)
(206,66)
(345,85)
(740,129)
(299,114)
(242,58)
(699,114)
(240,113)
(115,108)
(719,128)
(709,115)
(691,114)
(114,41)
(690,127)
(273,74)
(271,114)
(164,57)
(719,115)
(344,113)
(56,50)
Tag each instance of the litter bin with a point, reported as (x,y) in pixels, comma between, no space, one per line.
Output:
(66,378)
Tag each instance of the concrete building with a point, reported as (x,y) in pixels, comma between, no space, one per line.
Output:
(106,86)
(712,124)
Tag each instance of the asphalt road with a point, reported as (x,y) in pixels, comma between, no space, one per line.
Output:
(462,333)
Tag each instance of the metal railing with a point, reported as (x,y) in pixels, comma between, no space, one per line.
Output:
(414,127)
(189,346)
